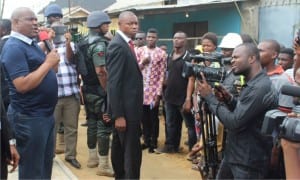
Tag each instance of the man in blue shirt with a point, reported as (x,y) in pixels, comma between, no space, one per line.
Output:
(33,93)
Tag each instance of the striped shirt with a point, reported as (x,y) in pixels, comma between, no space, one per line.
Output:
(67,75)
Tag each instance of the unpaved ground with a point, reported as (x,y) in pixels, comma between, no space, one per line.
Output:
(154,166)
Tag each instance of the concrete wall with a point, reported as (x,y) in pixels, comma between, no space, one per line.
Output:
(250,20)
(220,21)
(279,23)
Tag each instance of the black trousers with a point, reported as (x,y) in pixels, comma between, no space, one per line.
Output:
(150,123)
(126,153)
(238,171)
(3,167)
(4,155)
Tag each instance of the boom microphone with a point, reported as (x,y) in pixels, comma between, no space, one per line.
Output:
(290,90)
(43,36)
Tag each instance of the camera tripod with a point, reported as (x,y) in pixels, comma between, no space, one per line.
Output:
(209,137)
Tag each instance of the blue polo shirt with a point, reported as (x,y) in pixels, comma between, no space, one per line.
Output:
(20,57)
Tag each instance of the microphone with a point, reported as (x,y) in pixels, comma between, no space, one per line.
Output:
(43,36)
(290,90)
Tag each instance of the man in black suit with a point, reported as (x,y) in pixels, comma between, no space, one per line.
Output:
(125,93)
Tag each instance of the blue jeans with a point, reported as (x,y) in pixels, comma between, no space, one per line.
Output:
(190,124)
(35,144)
(174,126)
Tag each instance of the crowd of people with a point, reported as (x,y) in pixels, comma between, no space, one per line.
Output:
(125,79)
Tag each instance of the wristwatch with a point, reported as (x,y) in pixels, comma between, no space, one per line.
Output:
(12,142)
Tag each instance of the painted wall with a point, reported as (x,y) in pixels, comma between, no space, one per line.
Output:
(279,23)
(220,21)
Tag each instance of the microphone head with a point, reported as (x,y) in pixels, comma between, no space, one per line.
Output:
(43,35)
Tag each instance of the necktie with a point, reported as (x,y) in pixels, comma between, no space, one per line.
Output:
(131,45)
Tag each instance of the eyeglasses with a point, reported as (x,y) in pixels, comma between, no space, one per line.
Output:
(139,38)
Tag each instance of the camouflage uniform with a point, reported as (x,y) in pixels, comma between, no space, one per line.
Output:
(91,56)
(95,98)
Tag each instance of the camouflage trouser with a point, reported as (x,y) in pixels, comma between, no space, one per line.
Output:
(97,130)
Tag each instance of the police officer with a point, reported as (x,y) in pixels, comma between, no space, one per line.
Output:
(94,92)
(53,12)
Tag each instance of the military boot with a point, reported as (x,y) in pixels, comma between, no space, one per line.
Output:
(104,168)
(93,158)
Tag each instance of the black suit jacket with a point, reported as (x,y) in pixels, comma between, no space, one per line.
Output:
(125,81)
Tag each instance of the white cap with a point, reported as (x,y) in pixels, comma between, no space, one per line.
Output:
(231,40)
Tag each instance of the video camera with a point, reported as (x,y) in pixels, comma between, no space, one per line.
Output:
(59,34)
(211,74)
(289,127)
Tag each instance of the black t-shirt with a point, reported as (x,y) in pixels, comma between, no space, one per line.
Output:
(176,84)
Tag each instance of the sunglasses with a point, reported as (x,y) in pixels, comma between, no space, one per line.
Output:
(138,38)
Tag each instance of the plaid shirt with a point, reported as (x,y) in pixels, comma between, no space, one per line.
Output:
(67,74)
(153,73)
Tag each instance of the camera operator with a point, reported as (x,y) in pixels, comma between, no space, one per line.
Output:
(291,150)
(232,83)
(247,151)
(291,158)
(297,54)
(227,45)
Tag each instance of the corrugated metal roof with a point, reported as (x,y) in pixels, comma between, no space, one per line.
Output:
(122,5)
(278,2)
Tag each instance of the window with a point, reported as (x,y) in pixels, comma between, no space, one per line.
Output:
(193,30)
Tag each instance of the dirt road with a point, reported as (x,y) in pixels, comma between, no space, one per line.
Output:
(154,166)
